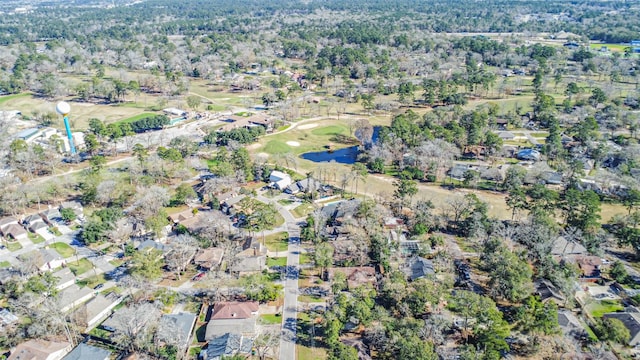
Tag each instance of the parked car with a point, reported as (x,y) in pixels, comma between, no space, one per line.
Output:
(198,276)
(98,287)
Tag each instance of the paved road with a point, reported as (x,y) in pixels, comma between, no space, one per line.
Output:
(290,312)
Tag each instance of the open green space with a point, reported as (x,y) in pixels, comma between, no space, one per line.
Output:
(310,299)
(135,118)
(599,308)
(302,210)
(14,246)
(611,47)
(4,99)
(4,264)
(92,281)
(35,238)
(277,242)
(278,261)
(329,130)
(270,319)
(276,147)
(308,353)
(63,249)
(80,267)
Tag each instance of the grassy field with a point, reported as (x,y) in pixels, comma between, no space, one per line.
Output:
(278,241)
(307,353)
(135,118)
(80,267)
(302,210)
(276,147)
(13,246)
(63,249)
(611,47)
(310,299)
(270,319)
(92,281)
(329,130)
(279,261)
(4,264)
(4,99)
(597,309)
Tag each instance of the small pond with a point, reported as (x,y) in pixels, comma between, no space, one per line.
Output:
(346,155)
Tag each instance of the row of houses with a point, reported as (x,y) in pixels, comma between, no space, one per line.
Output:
(13,228)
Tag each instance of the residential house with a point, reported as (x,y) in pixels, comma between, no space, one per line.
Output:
(506,135)
(590,267)
(85,351)
(356,276)
(562,247)
(7,318)
(73,205)
(393,223)
(419,267)
(73,296)
(551,177)
(631,321)
(152,244)
(458,171)
(210,258)
(279,180)
(34,222)
(51,216)
(65,277)
(230,205)
(94,311)
(7,221)
(252,259)
(570,325)
(176,329)
(528,154)
(502,123)
(50,259)
(237,122)
(40,350)
(305,185)
(181,216)
(548,292)
(232,317)
(15,232)
(227,345)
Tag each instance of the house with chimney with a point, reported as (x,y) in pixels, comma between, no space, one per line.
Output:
(235,317)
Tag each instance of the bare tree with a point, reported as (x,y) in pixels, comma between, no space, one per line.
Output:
(135,324)
(183,249)
(267,342)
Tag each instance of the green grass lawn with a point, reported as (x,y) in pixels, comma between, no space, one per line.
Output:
(302,210)
(307,353)
(329,130)
(599,308)
(279,261)
(4,99)
(276,147)
(278,241)
(63,249)
(13,246)
(136,117)
(100,333)
(305,259)
(80,267)
(270,319)
(35,238)
(611,47)
(116,262)
(4,264)
(285,202)
(92,281)
(310,299)
(54,230)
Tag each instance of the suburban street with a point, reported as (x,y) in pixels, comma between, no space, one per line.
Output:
(290,310)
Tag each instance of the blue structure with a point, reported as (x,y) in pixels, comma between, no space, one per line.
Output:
(69,136)
(635,46)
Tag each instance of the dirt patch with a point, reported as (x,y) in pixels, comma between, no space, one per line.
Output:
(293,143)
(253,146)
(307,126)
(262,155)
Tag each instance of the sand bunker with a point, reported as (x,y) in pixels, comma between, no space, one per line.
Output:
(307,126)
(293,143)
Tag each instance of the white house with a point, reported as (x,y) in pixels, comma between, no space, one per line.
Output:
(40,350)
(74,296)
(279,180)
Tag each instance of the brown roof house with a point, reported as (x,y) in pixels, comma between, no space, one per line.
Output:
(234,317)
(356,276)
(181,216)
(40,350)
(7,220)
(15,232)
(208,259)
(590,267)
